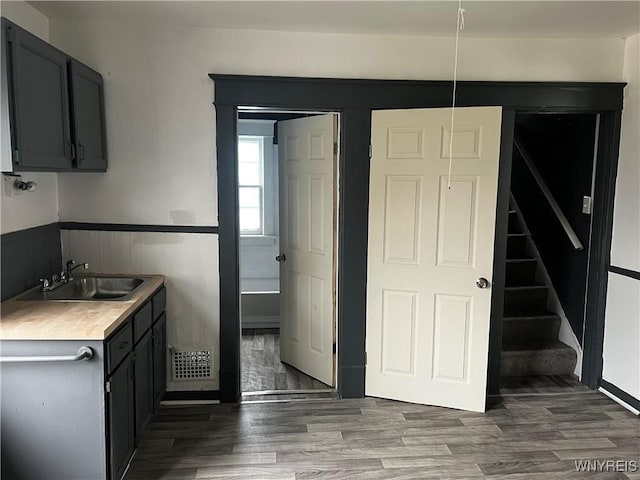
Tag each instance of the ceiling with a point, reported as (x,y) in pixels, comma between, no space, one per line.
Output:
(548,19)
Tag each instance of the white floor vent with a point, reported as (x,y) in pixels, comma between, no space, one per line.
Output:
(191,364)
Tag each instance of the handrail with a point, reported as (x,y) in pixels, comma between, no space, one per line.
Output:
(84,353)
(549,196)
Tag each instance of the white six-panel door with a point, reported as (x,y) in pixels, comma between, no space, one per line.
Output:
(427,320)
(307,224)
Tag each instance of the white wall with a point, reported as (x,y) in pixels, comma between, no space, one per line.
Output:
(189,262)
(161,124)
(40,207)
(621,354)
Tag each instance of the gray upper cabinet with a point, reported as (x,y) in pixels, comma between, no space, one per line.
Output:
(41,128)
(54,107)
(88,118)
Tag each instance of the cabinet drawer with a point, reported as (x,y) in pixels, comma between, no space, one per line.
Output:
(119,347)
(159,302)
(142,322)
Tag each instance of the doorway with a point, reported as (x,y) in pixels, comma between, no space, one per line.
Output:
(355,99)
(287,216)
(549,243)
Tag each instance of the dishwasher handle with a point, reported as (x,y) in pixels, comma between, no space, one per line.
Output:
(84,353)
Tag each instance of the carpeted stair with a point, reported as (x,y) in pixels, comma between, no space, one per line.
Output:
(530,344)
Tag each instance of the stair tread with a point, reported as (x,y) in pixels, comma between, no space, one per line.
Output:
(529,316)
(524,287)
(558,346)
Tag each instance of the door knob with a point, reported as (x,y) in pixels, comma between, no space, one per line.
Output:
(482,282)
(281,258)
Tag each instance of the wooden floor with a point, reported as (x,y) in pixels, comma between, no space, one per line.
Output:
(520,437)
(541,384)
(261,368)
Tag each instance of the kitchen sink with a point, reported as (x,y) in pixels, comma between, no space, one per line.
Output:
(89,288)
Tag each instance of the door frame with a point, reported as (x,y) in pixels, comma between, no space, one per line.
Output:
(354,100)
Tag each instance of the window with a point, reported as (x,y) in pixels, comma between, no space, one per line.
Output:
(251,184)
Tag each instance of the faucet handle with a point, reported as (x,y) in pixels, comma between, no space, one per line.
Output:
(45,283)
(70,262)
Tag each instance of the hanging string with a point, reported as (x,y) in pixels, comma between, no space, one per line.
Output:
(459,27)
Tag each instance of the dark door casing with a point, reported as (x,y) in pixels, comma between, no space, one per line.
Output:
(355,99)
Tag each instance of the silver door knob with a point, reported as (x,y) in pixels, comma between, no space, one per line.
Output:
(482,282)
(281,258)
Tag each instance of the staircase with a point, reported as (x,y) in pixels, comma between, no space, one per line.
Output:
(530,344)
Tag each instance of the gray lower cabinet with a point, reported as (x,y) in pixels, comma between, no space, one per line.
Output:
(159,359)
(81,420)
(143,340)
(143,362)
(120,400)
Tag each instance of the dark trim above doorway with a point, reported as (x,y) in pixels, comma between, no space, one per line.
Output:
(355,99)
(334,93)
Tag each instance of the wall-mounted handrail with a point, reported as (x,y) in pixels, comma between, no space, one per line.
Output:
(84,353)
(549,196)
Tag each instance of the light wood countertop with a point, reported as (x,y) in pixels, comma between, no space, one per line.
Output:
(71,320)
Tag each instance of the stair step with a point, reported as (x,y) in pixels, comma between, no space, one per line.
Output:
(525,300)
(521,271)
(556,359)
(514,223)
(516,245)
(530,330)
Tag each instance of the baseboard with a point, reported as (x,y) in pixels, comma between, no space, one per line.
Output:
(620,396)
(261,322)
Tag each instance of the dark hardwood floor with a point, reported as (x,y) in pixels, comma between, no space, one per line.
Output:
(520,437)
(261,368)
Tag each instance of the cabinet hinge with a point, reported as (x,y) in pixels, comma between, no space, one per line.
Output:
(16,156)
(335,148)
(370,151)
(10,35)
(107,387)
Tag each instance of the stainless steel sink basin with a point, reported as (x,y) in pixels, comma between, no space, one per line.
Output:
(90,288)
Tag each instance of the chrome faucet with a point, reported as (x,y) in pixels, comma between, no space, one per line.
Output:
(64,277)
(70,267)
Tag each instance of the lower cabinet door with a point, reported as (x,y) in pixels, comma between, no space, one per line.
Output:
(121,418)
(143,381)
(159,360)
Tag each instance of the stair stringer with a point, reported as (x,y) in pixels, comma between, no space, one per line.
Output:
(566,334)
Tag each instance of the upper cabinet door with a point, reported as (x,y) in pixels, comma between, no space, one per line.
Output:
(88,118)
(42,133)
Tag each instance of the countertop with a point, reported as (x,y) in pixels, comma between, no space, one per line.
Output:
(71,320)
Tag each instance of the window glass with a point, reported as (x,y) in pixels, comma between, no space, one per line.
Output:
(251,184)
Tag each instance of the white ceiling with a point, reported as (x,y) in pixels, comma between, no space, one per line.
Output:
(552,19)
